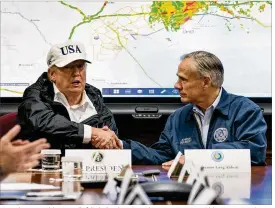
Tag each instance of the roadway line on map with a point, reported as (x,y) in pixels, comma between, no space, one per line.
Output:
(73,7)
(235,17)
(17,13)
(201,18)
(88,19)
(101,10)
(146,34)
(144,71)
(14,91)
(242,3)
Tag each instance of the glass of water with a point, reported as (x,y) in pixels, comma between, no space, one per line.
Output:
(51,160)
(71,167)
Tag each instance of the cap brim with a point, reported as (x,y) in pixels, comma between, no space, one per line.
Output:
(68,60)
(64,63)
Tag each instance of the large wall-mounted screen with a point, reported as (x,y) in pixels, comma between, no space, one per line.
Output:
(135,47)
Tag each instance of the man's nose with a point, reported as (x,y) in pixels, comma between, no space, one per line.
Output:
(177,85)
(76,71)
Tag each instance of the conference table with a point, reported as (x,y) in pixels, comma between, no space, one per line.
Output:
(260,188)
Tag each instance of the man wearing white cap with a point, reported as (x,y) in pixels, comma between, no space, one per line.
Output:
(61,107)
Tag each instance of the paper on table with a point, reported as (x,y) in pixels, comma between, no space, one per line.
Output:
(25,186)
(50,196)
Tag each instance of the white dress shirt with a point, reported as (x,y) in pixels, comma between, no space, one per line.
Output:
(78,112)
(203,119)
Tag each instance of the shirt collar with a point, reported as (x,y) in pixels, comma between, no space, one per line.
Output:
(213,106)
(55,89)
(59,96)
(85,100)
(216,102)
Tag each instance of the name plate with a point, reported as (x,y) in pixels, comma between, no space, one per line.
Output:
(102,161)
(219,160)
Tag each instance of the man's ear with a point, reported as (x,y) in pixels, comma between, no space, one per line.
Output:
(51,74)
(206,82)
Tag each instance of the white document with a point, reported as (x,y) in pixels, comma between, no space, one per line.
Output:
(220,160)
(25,186)
(50,196)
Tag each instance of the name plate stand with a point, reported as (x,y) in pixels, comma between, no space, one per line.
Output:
(102,161)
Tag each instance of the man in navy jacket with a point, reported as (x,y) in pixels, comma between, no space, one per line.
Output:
(213,119)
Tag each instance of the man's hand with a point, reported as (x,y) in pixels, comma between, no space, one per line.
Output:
(168,164)
(19,142)
(19,155)
(116,142)
(105,139)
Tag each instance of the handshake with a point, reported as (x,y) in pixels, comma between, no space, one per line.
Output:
(105,138)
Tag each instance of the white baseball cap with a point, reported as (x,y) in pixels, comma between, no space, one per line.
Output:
(65,53)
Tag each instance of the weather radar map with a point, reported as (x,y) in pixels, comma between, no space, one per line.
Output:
(135,47)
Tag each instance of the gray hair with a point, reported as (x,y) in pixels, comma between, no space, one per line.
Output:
(207,64)
(50,69)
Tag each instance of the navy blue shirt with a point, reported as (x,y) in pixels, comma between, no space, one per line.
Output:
(236,123)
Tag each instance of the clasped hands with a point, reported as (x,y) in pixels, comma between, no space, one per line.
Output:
(105,138)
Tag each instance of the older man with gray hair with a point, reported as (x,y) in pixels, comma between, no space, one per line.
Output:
(213,119)
(63,108)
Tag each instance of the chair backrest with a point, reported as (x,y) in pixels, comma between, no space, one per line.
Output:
(7,121)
